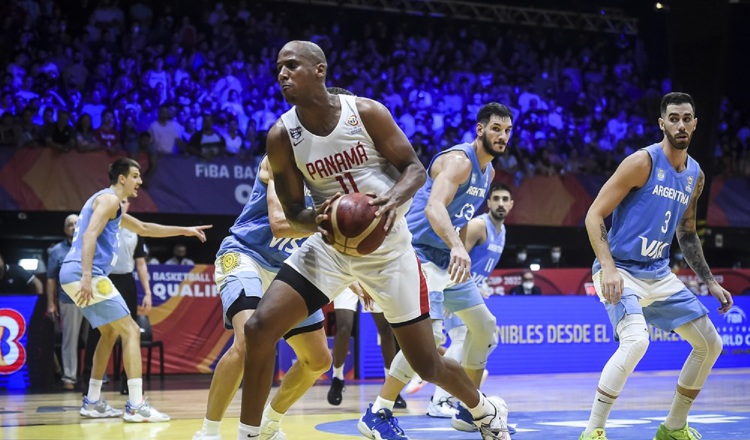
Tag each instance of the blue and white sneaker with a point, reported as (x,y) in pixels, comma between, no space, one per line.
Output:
(462,420)
(143,413)
(380,425)
(498,425)
(98,409)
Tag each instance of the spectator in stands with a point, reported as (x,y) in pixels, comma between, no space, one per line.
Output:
(555,259)
(179,253)
(107,135)
(61,136)
(10,135)
(15,279)
(522,258)
(207,143)
(85,138)
(527,286)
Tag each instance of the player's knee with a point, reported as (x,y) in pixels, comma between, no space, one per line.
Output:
(710,346)
(318,362)
(428,370)
(634,341)
(253,327)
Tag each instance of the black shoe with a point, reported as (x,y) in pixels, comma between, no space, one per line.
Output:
(334,394)
(400,402)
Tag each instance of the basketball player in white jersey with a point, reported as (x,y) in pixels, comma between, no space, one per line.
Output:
(340,144)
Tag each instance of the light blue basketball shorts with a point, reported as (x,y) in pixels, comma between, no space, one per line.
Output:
(237,274)
(665,303)
(445,295)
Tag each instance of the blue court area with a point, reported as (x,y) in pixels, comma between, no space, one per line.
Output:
(568,425)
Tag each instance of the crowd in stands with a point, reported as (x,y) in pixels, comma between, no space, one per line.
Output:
(126,76)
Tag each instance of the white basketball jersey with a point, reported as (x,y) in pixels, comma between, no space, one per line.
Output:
(345,161)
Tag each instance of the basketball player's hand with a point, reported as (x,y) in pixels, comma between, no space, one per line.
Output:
(197,231)
(459,268)
(86,294)
(387,208)
(724,297)
(612,285)
(322,213)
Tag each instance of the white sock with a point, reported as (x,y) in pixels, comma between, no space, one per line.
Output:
(483,408)
(599,412)
(247,431)
(381,403)
(678,413)
(338,372)
(135,391)
(271,415)
(210,427)
(95,390)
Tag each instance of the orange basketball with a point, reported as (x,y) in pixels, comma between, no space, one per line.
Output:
(352,226)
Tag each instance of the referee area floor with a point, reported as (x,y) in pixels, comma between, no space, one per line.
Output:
(542,407)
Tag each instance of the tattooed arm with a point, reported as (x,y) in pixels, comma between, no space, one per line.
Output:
(687,237)
(632,173)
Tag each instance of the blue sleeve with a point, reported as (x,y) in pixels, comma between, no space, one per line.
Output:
(53,263)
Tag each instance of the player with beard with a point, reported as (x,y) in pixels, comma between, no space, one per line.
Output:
(653,194)
(458,182)
(484,239)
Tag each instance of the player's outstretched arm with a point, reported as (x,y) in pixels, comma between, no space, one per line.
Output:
(392,143)
(632,173)
(157,230)
(690,243)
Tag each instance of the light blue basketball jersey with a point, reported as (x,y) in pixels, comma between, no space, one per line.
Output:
(469,197)
(251,232)
(105,252)
(484,257)
(644,224)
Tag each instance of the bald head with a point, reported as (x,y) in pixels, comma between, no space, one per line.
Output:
(70,225)
(307,50)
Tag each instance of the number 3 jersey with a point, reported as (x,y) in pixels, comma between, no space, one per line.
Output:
(644,223)
(345,161)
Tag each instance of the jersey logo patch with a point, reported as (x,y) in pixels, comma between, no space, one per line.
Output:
(660,175)
(295,132)
(352,121)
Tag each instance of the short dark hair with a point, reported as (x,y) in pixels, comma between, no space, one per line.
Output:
(121,167)
(676,98)
(493,108)
(500,187)
(339,91)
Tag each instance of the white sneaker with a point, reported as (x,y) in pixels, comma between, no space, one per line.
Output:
(143,413)
(495,426)
(415,384)
(442,409)
(200,435)
(270,430)
(98,409)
